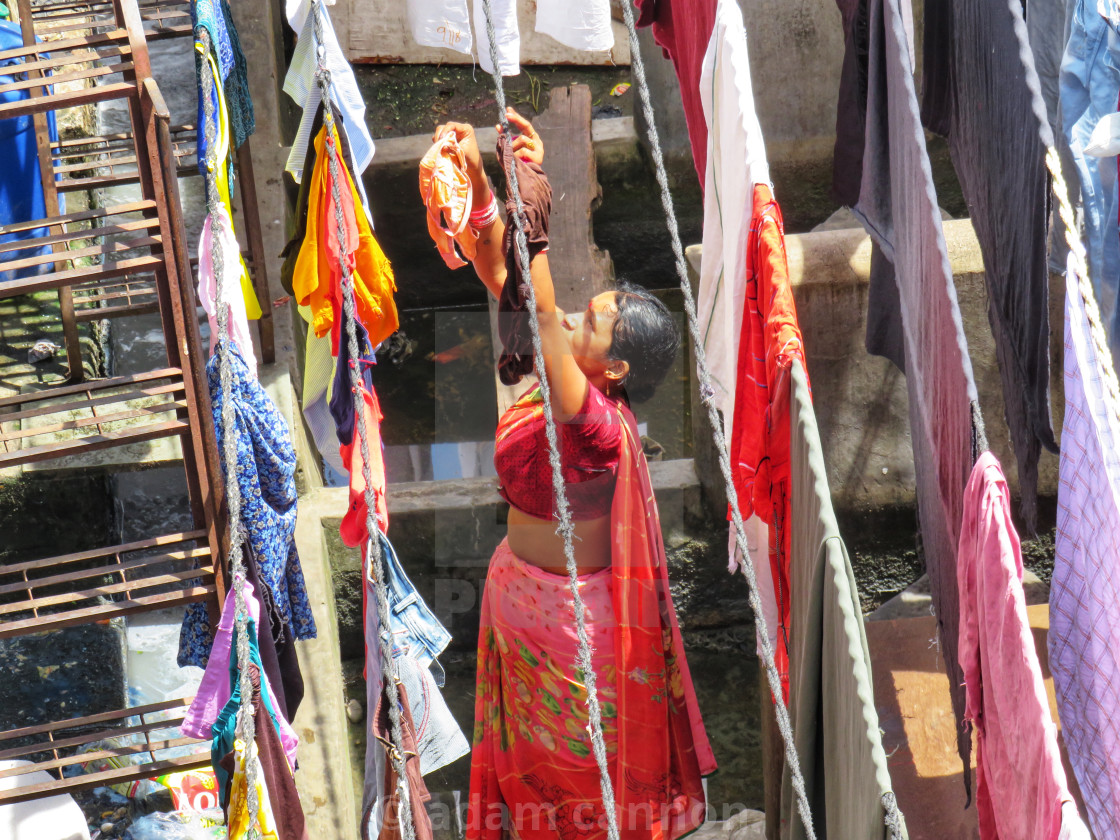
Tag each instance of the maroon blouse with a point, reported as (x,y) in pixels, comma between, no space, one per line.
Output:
(589,451)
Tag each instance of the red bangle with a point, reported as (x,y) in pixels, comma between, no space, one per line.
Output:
(485,215)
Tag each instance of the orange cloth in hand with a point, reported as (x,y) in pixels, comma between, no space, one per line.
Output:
(447,193)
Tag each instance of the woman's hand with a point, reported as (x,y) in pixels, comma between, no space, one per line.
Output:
(527,144)
(465,136)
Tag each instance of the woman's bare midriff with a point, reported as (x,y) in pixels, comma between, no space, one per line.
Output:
(535,541)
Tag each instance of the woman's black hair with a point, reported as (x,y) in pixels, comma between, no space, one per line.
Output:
(645,336)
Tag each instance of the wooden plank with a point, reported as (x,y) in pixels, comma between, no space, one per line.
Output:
(89,720)
(82,274)
(108,570)
(71,76)
(116,752)
(85,781)
(93,443)
(126,226)
(117,246)
(126,588)
(85,738)
(92,402)
(95,385)
(106,312)
(94,554)
(85,215)
(55,48)
(580,270)
(65,99)
(103,612)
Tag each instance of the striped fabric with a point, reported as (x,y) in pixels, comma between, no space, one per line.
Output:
(1084,638)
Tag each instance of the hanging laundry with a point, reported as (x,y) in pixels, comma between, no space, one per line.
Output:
(418,638)
(1090,89)
(441,23)
(759,447)
(216,18)
(265,468)
(353,529)
(341,403)
(1048,28)
(898,207)
(683,29)
(980,90)
(418,794)
(215,690)
(301,86)
(1021,785)
(223,732)
(516,360)
(277,645)
(831,707)
(317,275)
(579,24)
(235,276)
(445,189)
(280,812)
(1085,587)
(736,162)
(21,184)
(217,163)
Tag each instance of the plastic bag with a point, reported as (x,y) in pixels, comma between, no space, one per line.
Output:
(134,790)
(192,790)
(179,825)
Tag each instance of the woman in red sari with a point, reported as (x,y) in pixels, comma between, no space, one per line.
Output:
(533,773)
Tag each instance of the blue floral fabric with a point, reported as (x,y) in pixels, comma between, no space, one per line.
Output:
(266,465)
(216,18)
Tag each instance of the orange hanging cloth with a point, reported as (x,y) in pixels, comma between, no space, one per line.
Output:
(760,433)
(317,276)
(446,190)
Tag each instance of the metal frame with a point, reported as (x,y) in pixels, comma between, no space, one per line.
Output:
(137,244)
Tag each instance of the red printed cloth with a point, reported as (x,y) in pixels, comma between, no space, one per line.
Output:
(682,28)
(760,433)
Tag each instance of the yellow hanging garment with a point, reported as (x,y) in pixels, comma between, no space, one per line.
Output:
(238,820)
(221,176)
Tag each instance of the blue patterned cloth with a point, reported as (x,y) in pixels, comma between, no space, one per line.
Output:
(266,465)
(216,18)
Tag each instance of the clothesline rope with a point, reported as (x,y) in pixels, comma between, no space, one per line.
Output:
(246,724)
(707,394)
(374,556)
(1084,284)
(563,511)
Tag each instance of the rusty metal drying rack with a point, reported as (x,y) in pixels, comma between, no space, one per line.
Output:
(110,161)
(138,242)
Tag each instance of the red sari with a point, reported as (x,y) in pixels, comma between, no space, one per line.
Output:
(657,748)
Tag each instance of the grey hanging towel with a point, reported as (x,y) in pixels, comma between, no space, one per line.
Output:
(898,207)
(980,90)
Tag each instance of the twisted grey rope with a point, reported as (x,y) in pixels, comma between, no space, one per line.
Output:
(563,512)
(707,392)
(374,555)
(246,725)
(892,817)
